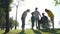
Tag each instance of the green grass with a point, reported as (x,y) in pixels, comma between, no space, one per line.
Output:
(1,31)
(29,31)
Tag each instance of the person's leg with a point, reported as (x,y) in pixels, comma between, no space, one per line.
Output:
(44,25)
(52,19)
(38,24)
(32,25)
(47,24)
(23,25)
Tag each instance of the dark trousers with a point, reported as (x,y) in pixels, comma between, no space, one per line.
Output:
(36,20)
(23,24)
(52,19)
(39,22)
(32,24)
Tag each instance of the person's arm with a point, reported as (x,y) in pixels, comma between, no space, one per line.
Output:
(39,14)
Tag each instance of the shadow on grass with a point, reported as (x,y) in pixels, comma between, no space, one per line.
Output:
(54,31)
(36,32)
(49,30)
(22,32)
(5,32)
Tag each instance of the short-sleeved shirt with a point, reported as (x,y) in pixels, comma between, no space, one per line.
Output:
(50,14)
(24,15)
(36,14)
(44,19)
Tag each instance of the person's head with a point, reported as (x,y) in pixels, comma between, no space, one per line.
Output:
(36,8)
(46,10)
(32,13)
(42,14)
(28,10)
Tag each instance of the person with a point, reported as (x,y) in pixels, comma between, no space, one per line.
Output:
(23,18)
(36,14)
(51,15)
(32,19)
(44,20)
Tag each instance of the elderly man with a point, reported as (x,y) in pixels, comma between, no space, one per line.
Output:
(23,18)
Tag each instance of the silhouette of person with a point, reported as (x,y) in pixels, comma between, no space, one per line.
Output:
(39,22)
(36,14)
(51,15)
(32,19)
(23,18)
(44,20)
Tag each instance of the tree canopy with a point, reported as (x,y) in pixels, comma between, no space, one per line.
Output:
(57,2)
(4,12)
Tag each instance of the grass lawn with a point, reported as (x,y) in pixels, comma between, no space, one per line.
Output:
(29,31)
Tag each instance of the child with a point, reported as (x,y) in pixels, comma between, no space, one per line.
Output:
(32,19)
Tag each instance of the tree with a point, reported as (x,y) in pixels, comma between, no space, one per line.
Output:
(5,4)
(13,23)
(57,2)
(17,5)
(2,17)
(2,14)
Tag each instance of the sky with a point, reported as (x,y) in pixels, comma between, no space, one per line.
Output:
(32,4)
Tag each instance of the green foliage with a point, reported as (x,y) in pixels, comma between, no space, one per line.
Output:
(16,23)
(3,13)
(5,8)
(3,4)
(13,23)
(56,2)
(2,17)
(2,10)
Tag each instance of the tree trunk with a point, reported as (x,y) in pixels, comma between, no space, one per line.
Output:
(7,16)
(7,22)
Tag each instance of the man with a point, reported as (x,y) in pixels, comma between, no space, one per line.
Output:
(44,20)
(36,14)
(23,18)
(50,14)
